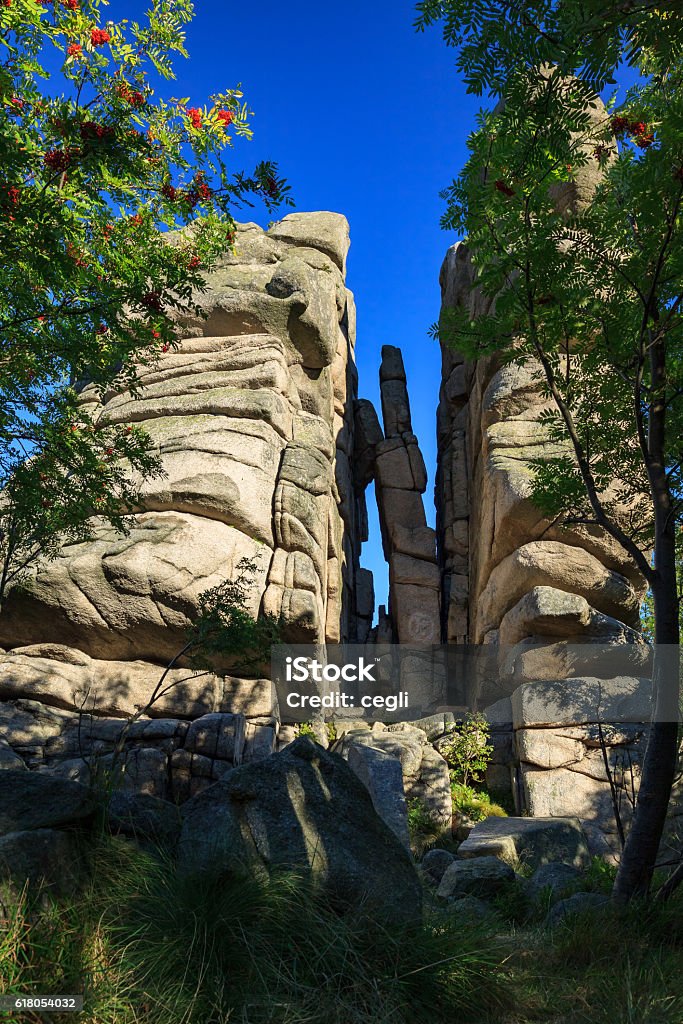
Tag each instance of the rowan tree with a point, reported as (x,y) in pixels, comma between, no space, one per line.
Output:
(588,290)
(114,203)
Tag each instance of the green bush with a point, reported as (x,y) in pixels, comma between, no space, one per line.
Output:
(424,827)
(474,804)
(467,750)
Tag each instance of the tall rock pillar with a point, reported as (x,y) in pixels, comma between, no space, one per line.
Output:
(409,544)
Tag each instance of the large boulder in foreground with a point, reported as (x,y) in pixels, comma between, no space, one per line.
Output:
(302,810)
(535,841)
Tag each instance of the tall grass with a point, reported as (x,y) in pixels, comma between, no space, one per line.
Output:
(149,946)
(153,947)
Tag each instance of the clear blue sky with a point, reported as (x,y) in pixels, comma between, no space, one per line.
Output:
(367,118)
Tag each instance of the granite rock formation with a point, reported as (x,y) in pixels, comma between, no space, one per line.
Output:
(267,452)
(254,418)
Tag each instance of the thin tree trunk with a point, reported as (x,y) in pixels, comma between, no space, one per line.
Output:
(661,755)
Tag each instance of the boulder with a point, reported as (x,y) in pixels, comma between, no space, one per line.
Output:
(381,774)
(483,877)
(42,857)
(303,810)
(328,232)
(425,772)
(148,819)
(534,841)
(557,879)
(30,800)
(435,864)
(578,701)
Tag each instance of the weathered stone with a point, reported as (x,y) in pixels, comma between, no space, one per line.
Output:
(534,841)
(432,787)
(328,232)
(29,800)
(435,863)
(548,748)
(145,817)
(564,567)
(417,541)
(545,611)
(217,736)
(394,469)
(470,909)
(391,367)
(484,876)
(395,408)
(302,809)
(557,880)
(252,416)
(9,760)
(405,569)
(381,775)
(556,792)
(416,613)
(577,701)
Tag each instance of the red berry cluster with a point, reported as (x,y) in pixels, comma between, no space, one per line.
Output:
(600,153)
(505,189)
(74,50)
(10,197)
(73,252)
(91,131)
(224,117)
(57,160)
(195,116)
(130,95)
(99,36)
(71,4)
(636,129)
(194,263)
(136,220)
(6,3)
(18,103)
(200,192)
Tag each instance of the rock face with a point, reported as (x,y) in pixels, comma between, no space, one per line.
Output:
(550,598)
(256,421)
(253,418)
(424,771)
(302,810)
